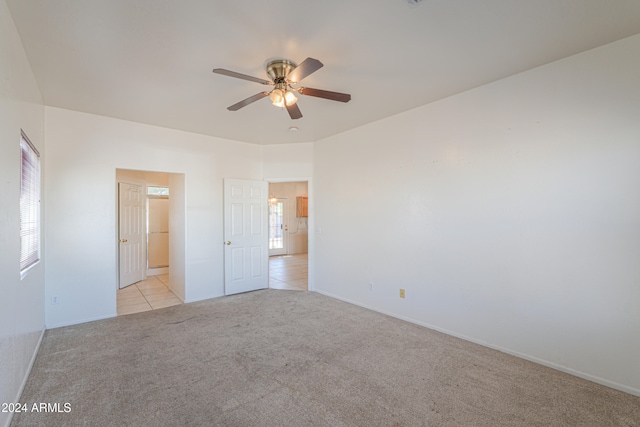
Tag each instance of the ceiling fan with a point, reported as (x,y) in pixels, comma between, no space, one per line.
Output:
(284,74)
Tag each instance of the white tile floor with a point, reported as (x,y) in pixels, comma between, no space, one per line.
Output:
(287,272)
(149,294)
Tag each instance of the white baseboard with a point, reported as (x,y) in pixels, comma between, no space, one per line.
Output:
(77,322)
(157,271)
(203,299)
(26,375)
(565,369)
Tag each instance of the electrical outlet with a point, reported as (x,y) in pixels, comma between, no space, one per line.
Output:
(371,286)
(401,293)
(54,299)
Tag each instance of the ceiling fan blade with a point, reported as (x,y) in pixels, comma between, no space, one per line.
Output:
(294,111)
(306,67)
(241,76)
(249,100)
(326,94)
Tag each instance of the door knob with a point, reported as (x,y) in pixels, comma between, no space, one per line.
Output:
(228,242)
(124,240)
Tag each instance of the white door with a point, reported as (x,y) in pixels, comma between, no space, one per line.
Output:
(131,233)
(278,229)
(246,256)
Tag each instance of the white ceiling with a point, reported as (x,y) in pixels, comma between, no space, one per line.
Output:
(150,61)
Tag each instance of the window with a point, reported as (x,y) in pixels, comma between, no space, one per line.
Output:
(29,205)
(157,191)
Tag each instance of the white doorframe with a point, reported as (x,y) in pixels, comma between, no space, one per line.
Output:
(311,223)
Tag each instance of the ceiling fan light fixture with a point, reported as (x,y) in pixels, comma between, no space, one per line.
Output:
(290,97)
(277,97)
(281,98)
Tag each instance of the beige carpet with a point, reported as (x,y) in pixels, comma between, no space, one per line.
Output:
(290,358)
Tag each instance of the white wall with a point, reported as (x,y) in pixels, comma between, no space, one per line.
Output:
(287,161)
(509,213)
(84,152)
(21,301)
(145,178)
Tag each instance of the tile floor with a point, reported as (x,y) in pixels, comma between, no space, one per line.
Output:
(287,272)
(149,294)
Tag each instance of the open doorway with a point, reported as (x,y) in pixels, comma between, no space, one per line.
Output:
(288,235)
(150,228)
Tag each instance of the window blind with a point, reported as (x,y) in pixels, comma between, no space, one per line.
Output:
(29,204)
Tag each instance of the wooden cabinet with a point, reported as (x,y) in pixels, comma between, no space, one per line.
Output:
(302,207)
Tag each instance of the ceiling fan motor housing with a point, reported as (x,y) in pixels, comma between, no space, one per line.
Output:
(279,69)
